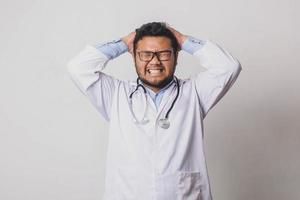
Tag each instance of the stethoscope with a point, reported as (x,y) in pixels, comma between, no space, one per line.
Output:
(163,122)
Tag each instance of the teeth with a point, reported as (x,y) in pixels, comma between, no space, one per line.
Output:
(154,71)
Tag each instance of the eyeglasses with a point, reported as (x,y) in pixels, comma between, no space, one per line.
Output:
(161,55)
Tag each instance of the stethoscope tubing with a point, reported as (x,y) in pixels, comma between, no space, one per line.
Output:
(145,93)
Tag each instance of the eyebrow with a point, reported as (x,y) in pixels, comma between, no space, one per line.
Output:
(155,51)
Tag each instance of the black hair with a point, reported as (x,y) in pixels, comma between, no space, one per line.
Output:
(155,29)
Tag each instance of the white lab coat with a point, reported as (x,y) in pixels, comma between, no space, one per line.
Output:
(147,162)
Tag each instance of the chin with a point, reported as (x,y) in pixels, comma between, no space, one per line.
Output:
(158,82)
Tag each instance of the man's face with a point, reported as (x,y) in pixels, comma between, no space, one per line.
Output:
(155,73)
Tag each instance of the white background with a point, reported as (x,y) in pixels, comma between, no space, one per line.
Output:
(53,142)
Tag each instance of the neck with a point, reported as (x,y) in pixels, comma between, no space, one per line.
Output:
(156,89)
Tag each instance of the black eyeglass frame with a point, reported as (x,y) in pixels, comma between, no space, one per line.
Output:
(156,53)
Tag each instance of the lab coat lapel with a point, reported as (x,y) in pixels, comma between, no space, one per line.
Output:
(152,104)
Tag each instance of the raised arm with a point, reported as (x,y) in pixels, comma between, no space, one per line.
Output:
(222,69)
(86,68)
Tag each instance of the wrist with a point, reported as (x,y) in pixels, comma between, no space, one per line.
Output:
(192,44)
(113,48)
(125,40)
(183,38)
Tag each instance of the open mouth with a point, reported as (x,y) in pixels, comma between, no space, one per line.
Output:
(154,71)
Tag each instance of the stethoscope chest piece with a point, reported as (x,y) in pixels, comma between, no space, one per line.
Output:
(164,123)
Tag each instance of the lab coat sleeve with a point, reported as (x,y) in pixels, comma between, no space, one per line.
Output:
(85,70)
(222,70)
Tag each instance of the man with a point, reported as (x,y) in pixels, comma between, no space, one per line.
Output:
(155,149)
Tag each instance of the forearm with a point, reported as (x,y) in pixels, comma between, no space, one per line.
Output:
(210,55)
(85,70)
(222,71)
(113,48)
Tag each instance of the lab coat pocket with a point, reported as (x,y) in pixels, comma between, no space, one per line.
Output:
(189,185)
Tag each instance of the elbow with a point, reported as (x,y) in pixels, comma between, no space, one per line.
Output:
(236,67)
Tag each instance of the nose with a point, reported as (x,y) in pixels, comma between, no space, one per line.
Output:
(155,59)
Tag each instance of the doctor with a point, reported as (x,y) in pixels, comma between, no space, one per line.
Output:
(156,149)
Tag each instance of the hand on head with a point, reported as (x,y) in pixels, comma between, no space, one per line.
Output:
(179,36)
(128,39)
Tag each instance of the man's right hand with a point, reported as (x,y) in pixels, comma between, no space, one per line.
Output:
(128,39)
